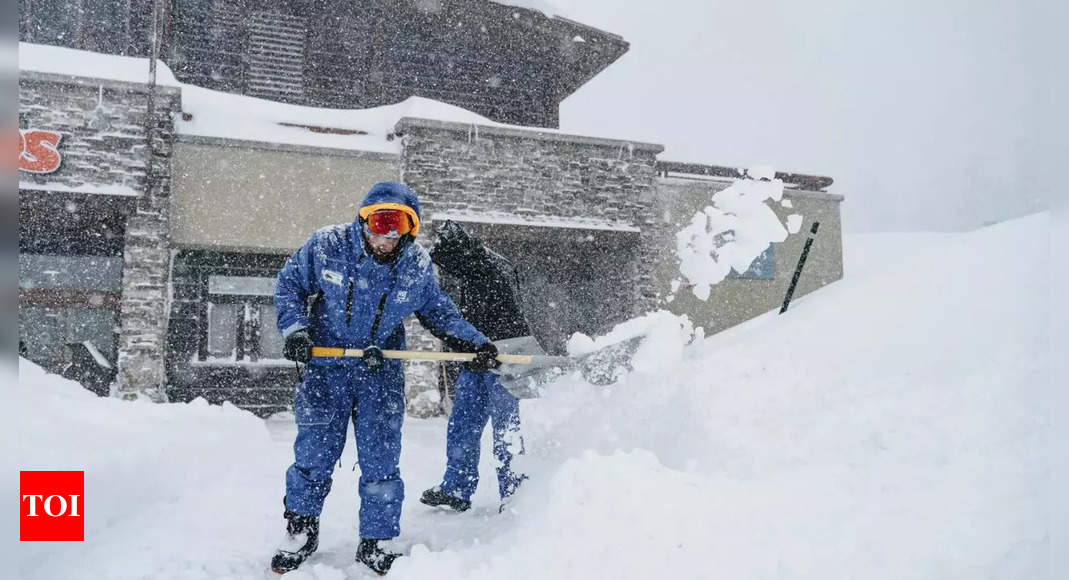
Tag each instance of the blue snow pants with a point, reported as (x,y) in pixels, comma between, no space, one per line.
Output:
(480,396)
(333,393)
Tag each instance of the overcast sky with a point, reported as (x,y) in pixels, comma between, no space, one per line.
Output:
(929,115)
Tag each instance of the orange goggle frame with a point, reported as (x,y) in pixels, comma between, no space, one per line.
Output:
(389,223)
(367,210)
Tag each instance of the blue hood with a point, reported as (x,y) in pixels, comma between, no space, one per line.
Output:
(391,192)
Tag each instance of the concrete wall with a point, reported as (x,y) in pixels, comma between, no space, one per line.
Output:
(240,195)
(736,300)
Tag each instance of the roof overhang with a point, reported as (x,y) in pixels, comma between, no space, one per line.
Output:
(584,50)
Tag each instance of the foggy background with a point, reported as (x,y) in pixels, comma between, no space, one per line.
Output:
(929,115)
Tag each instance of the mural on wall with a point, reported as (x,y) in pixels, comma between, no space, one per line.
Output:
(39,151)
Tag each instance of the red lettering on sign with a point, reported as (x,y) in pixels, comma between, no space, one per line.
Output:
(38,150)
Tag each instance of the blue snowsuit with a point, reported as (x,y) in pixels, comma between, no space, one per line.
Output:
(335,288)
(485,286)
(480,396)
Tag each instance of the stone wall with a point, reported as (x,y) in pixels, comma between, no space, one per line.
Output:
(102,123)
(144,306)
(542,177)
(105,150)
(524,190)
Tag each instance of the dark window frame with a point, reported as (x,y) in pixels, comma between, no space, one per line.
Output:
(249,328)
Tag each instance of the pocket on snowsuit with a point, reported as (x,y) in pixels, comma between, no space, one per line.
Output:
(315,402)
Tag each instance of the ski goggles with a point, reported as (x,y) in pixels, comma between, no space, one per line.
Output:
(388,223)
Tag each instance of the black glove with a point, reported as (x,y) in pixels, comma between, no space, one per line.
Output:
(485,359)
(298,347)
(373,358)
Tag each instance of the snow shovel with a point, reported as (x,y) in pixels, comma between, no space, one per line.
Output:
(515,370)
(523,375)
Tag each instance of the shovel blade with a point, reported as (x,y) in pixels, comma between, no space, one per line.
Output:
(603,366)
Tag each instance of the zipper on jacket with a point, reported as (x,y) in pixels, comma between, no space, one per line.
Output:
(382,302)
(378,316)
(349,303)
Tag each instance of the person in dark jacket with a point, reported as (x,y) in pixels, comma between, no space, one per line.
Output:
(485,287)
(352,286)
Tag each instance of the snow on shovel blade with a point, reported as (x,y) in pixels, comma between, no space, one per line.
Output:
(603,366)
(525,381)
(609,363)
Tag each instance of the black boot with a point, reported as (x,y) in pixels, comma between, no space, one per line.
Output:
(302,538)
(436,497)
(373,556)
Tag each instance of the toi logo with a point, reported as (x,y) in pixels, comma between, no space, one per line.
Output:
(51,506)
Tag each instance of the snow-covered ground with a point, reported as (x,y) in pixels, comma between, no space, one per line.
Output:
(891,425)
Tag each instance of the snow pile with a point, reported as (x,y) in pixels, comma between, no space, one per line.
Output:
(891,425)
(732,232)
(907,441)
(152,474)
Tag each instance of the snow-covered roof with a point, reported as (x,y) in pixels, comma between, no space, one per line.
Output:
(82,63)
(495,217)
(213,113)
(218,114)
(226,115)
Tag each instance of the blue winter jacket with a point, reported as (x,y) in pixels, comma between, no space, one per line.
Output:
(343,285)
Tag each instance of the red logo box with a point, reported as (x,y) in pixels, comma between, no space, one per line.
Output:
(52,506)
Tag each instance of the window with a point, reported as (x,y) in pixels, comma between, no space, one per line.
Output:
(44,332)
(762,268)
(43,271)
(241,323)
(223,330)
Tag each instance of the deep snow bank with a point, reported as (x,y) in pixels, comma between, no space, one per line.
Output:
(890,426)
(140,459)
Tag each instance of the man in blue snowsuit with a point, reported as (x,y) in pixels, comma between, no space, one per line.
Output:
(352,286)
(484,286)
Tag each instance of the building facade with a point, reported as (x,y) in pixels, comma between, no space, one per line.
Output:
(93,247)
(156,233)
(510,64)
